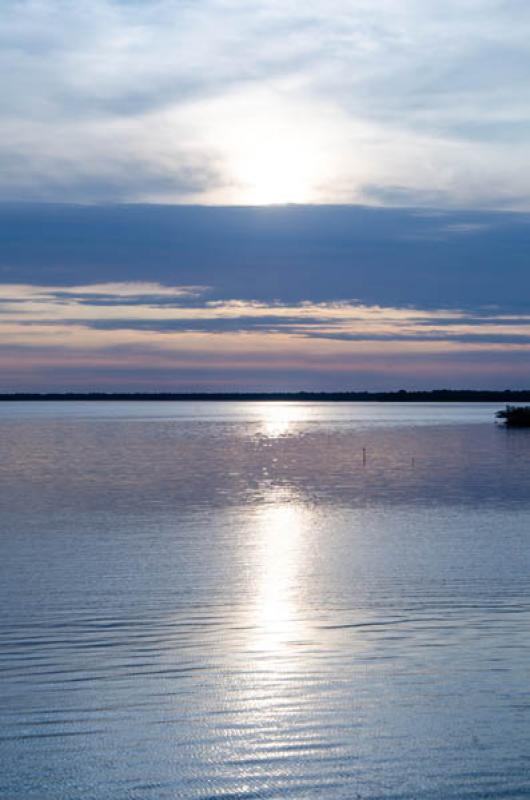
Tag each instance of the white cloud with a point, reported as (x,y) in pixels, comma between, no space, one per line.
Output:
(388,101)
(150,309)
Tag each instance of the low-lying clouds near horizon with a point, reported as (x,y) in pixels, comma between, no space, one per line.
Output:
(190,298)
(395,102)
(155,329)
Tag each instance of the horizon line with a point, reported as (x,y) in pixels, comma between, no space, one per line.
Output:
(404,395)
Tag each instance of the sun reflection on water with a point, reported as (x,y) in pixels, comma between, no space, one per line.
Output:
(282,419)
(276,612)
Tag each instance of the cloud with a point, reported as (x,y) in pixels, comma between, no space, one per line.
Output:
(339,297)
(388,257)
(151,306)
(395,102)
(138,329)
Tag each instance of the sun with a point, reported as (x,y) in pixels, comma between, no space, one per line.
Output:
(274,152)
(270,148)
(275,169)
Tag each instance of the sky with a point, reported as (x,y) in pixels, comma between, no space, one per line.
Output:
(217,194)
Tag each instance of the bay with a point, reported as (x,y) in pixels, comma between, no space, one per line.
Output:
(263,600)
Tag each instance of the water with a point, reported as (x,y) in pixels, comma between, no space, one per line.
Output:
(221,601)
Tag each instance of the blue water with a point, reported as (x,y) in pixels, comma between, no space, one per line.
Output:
(227,601)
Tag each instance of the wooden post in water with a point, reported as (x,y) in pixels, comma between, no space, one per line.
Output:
(364,456)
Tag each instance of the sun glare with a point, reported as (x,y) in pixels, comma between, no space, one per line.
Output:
(271,149)
(275,615)
(277,419)
(275,172)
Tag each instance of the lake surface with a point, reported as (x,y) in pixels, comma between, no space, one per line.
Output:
(222,600)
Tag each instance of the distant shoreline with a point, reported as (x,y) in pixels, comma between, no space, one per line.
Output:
(435,396)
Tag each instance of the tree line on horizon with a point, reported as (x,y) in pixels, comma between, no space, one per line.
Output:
(402,395)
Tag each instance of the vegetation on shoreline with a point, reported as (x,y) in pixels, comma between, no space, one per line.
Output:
(515,416)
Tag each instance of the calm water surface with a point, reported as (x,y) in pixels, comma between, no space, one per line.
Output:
(222,601)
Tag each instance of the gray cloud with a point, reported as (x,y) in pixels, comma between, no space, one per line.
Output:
(391,257)
(117,178)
